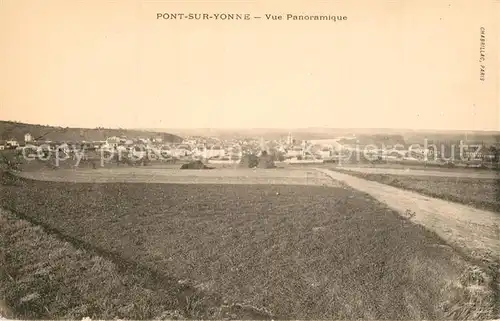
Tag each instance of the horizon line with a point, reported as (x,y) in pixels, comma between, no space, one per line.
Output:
(258,128)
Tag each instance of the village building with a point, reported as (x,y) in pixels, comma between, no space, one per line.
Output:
(12,143)
(28,138)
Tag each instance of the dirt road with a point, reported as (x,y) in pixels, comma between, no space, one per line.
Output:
(476,231)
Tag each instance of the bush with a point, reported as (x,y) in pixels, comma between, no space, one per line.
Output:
(263,161)
(9,161)
(195,165)
(249,161)
(450,164)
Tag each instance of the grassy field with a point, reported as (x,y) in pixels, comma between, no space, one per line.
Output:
(479,193)
(309,252)
(43,277)
(417,166)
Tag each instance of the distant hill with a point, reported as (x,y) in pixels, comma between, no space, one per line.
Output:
(375,139)
(9,130)
(378,134)
(455,136)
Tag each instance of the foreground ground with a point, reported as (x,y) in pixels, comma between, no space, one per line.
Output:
(285,250)
(480,192)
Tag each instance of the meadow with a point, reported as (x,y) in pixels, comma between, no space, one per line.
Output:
(482,193)
(264,251)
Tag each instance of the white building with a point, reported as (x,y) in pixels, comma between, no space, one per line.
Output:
(113,140)
(324,153)
(28,138)
(189,141)
(295,151)
(199,150)
(181,150)
(12,143)
(329,142)
(214,151)
(98,144)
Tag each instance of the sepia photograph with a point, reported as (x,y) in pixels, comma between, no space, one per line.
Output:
(249,160)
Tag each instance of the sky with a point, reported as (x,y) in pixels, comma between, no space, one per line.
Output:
(391,64)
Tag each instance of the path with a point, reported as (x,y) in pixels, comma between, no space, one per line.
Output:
(474,230)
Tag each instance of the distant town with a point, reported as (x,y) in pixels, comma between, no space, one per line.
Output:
(287,149)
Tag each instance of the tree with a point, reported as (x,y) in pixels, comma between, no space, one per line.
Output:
(496,154)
